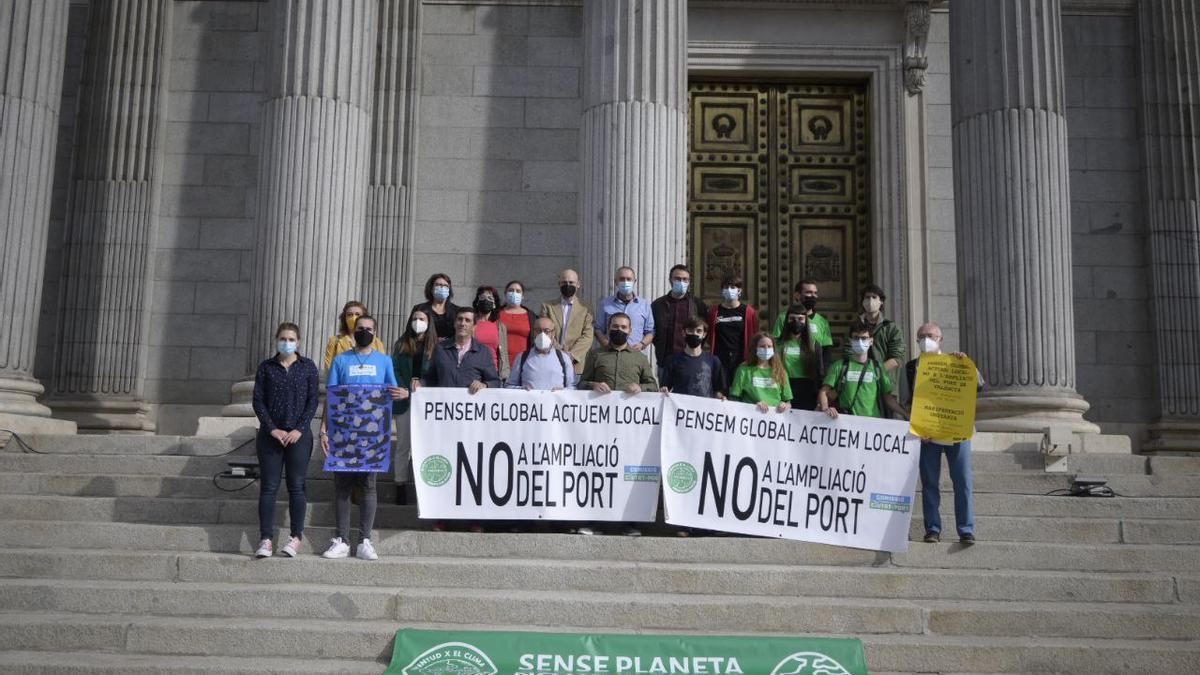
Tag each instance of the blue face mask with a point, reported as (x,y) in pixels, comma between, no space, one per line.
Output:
(731,293)
(765,353)
(286,347)
(514,298)
(625,287)
(441,293)
(860,346)
(679,287)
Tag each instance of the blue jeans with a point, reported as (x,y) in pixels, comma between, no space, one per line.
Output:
(273,460)
(958,457)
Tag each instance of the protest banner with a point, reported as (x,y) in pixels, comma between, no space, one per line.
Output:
(524,455)
(795,475)
(360,427)
(422,652)
(943,405)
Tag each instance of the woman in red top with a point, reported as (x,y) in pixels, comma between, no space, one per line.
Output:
(517,319)
(489,330)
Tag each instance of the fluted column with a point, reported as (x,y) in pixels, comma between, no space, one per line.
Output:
(1170,74)
(34,34)
(100,359)
(1012,206)
(633,184)
(313,168)
(386,270)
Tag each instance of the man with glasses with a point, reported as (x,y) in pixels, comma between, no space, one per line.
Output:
(670,312)
(543,366)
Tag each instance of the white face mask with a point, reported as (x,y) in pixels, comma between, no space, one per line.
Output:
(419,327)
(765,353)
(860,346)
(542,342)
(872,305)
(730,293)
(929,345)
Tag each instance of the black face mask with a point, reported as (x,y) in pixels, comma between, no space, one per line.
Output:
(567,290)
(363,338)
(618,337)
(809,303)
(693,341)
(796,327)
(485,306)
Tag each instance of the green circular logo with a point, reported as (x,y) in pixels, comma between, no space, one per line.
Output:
(435,471)
(681,477)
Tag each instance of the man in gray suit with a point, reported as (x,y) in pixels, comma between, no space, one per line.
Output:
(572,318)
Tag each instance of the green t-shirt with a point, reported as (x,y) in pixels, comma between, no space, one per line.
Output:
(817,325)
(861,390)
(793,358)
(753,384)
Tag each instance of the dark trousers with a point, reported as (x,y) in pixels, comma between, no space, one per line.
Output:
(804,393)
(273,460)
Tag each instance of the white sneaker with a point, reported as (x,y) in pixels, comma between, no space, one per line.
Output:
(366,551)
(292,547)
(337,549)
(585,530)
(265,549)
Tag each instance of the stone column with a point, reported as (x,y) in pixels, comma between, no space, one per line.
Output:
(101,350)
(633,166)
(313,172)
(34,34)
(386,269)
(1170,74)
(1012,206)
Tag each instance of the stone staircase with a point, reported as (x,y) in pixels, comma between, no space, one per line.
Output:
(120,556)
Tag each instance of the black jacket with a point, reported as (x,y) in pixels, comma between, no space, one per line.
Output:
(665,329)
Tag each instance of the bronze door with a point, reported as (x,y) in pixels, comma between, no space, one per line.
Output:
(778,190)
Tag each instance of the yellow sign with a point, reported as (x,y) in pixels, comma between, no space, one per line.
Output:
(943,406)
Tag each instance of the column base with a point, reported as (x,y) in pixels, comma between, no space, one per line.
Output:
(237,419)
(1032,413)
(102,414)
(21,412)
(1173,437)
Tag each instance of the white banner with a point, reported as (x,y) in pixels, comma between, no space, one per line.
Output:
(524,455)
(795,475)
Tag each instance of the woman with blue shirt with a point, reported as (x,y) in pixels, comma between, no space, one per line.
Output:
(285,400)
(363,365)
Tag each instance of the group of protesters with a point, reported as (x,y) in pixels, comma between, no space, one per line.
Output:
(675,344)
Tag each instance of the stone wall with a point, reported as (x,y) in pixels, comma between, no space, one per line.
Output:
(498,150)
(1113,330)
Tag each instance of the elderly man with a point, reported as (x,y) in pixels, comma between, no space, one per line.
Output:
(625,300)
(958,457)
(572,318)
(543,366)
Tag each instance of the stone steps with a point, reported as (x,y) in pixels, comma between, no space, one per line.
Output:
(159,510)
(368,639)
(405,572)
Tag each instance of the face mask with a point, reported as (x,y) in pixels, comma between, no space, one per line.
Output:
(441,293)
(363,338)
(693,341)
(809,303)
(765,353)
(872,305)
(730,293)
(351,322)
(860,346)
(929,345)
(419,326)
(542,342)
(514,298)
(567,290)
(679,287)
(625,287)
(286,347)
(796,327)
(485,306)
(617,337)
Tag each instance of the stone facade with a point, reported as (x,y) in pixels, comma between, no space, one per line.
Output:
(486,185)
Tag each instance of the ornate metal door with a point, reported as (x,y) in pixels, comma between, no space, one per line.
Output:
(779,191)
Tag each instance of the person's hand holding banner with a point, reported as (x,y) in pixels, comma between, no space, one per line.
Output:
(943,406)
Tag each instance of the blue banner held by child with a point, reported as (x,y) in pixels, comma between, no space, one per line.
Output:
(360,428)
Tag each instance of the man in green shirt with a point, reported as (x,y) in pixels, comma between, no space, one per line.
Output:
(615,366)
(861,385)
(805,293)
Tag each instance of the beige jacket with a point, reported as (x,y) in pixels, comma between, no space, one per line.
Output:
(578,340)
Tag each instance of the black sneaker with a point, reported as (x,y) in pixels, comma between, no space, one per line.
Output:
(932,537)
(966,539)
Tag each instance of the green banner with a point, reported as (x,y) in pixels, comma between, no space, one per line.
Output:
(425,652)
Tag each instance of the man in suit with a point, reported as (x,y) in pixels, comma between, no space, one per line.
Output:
(572,318)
